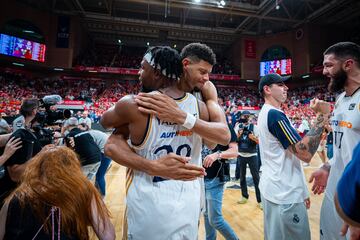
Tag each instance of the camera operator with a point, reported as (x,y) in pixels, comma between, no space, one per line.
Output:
(247,142)
(16,164)
(46,125)
(84,145)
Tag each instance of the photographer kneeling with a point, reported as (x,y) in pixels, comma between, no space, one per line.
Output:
(247,142)
(16,164)
(84,145)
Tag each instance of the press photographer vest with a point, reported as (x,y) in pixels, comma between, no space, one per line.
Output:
(245,144)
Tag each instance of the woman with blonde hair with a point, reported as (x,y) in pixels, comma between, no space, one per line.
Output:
(54,199)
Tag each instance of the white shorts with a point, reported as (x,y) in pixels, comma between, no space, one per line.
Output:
(166,210)
(330,222)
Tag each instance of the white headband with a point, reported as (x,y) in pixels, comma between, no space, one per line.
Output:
(148,57)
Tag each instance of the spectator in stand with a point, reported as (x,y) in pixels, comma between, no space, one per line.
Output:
(92,116)
(103,94)
(78,115)
(85,119)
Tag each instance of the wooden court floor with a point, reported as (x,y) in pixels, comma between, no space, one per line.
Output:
(246,219)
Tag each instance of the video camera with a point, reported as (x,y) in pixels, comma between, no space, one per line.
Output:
(48,117)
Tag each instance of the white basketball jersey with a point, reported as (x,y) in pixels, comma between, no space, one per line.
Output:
(158,208)
(345,122)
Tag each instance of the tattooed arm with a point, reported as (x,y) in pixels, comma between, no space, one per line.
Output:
(306,147)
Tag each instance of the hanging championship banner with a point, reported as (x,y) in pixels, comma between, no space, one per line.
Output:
(250,48)
(63,32)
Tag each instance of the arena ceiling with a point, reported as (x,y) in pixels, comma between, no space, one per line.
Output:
(206,20)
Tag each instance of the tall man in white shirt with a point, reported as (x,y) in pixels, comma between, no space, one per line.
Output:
(342,66)
(282,184)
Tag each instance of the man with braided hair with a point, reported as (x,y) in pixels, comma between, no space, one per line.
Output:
(159,208)
(197,60)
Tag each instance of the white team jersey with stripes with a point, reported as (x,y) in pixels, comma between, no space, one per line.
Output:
(345,122)
(165,209)
(282,180)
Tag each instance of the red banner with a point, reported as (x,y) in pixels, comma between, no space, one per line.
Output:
(14,103)
(130,71)
(224,77)
(248,108)
(250,49)
(317,69)
(71,102)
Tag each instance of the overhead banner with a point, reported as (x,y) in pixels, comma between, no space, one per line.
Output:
(63,32)
(317,69)
(71,104)
(130,71)
(224,77)
(250,49)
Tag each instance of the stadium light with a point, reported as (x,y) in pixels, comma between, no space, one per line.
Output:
(221,4)
(18,64)
(305,76)
(119,41)
(174,45)
(197,1)
(148,44)
(58,69)
(277,6)
(249,80)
